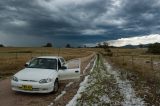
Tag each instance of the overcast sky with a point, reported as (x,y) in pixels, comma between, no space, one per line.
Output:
(78,22)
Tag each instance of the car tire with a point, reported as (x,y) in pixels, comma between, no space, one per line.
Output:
(56,86)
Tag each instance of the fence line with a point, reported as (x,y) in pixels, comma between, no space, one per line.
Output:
(134,59)
(148,66)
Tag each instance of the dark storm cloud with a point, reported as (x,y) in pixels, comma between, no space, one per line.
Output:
(77,21)
(142,15)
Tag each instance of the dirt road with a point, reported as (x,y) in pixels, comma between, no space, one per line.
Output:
(11,98)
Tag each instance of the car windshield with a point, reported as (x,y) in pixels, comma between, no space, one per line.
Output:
(43,63)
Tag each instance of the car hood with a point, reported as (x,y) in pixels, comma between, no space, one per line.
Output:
(36,74)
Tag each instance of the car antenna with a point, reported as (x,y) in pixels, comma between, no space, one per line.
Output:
(58,51)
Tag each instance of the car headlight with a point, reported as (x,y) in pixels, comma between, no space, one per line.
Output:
(45,80)
(15,78)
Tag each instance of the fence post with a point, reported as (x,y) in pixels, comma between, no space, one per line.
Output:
(16,55)
(132,62)
(117,52)
(123,59)
(152,64)
(31,55)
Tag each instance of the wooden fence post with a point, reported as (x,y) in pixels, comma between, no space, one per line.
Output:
(152,64)
(31,55)
(117,52)
(132,62)
(16,55)
(123,60)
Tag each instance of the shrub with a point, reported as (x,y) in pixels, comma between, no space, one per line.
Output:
(48,45)
(68,46)
(154,48)
(1,45)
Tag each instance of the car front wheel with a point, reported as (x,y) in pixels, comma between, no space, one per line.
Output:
(56,86)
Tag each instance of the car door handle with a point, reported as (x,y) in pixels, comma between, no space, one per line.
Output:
(76,71)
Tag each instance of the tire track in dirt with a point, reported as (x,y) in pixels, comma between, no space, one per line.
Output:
(10,98)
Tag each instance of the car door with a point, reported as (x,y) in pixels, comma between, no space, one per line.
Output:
(69,73)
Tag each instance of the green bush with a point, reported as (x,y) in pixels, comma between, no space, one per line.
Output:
(1,45)
(48,45)
(154,48)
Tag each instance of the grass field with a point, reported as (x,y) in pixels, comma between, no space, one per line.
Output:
(148,65)
(13,59)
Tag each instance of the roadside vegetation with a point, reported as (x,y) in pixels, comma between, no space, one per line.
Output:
(101,88)
(154,48)
(1,45)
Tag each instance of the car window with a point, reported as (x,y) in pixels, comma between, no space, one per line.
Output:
(43,63)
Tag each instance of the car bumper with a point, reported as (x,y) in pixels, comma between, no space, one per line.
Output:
(36,87)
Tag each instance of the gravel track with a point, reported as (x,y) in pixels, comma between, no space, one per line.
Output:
(11,98)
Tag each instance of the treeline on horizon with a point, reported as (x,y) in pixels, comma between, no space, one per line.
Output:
(152,48)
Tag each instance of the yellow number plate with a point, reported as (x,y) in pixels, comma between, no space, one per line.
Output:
(26,87)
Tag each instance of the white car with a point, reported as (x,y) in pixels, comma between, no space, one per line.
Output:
(42,75)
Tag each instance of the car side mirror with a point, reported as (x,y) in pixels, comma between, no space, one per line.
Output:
(63,67)
(26,65)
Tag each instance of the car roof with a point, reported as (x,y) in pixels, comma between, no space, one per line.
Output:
(50,57)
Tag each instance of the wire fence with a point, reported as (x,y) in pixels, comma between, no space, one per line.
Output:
(13,62)
(146,65)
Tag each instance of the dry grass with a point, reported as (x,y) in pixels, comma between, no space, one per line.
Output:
(138,60)
(13,59)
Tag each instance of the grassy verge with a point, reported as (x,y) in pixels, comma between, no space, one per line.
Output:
(101,89)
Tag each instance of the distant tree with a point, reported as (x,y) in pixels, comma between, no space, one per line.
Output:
(105,46)
(154,48)
(48,45)
(79,47)
(107,49)
(140,46)
(1,45)
(68,46)
(84,46)
(99,45)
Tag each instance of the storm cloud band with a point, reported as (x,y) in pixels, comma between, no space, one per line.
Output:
(85,21)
